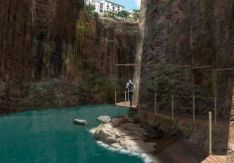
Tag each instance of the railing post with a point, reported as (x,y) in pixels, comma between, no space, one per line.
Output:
(155,103)
(125,96)
(194,107)
(128,96)
(210,133)
(172,107)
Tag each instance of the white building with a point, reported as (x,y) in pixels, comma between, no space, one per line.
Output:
(102,6)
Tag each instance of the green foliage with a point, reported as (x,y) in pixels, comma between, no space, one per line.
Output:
(123,14)
(136,15)
(167,81)
(110,14)
(90,10)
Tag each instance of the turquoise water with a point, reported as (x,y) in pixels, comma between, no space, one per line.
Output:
(49,136)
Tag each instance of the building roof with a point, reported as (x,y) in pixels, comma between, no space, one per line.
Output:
(114,3)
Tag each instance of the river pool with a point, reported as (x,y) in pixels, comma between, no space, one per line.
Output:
(49,136)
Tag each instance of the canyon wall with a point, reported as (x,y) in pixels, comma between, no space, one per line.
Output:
(52,54)
(33,31)
(30,30)
(103,43)
(185,41)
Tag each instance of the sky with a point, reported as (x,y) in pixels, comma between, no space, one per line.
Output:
(129,4)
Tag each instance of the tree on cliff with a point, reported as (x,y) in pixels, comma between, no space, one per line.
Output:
(136,14)
(123,14)
(90,9)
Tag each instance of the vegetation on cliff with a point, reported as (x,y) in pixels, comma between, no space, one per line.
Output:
(63,56)
(121,15)
(188,38)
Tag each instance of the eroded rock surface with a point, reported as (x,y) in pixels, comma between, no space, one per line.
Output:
(122,133)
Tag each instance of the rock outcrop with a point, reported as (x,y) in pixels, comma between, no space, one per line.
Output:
(124,134)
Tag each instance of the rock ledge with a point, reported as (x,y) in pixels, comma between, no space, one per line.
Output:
(123,133)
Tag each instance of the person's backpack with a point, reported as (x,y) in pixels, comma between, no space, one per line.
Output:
(130,87)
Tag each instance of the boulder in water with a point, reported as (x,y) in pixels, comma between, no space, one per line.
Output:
(104,119)
(80,122)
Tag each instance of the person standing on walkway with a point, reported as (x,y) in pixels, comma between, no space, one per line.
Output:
(130,88)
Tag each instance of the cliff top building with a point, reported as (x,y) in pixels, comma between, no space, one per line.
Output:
(102,6)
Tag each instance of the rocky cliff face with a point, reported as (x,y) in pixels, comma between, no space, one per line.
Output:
(187,40)
(101,43)
(33,30)
(41,40)
(34,38)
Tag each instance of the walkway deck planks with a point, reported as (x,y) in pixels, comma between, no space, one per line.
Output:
(125,104)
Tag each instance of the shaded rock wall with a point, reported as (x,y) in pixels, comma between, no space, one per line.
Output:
(102,43)
(32,29)
(34,37)
(193,34)
(45,40)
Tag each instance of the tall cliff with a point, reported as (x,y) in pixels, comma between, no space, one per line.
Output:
(30,30)
(101,44)
(188,40)
(187,46)
(52,54)
(33,31)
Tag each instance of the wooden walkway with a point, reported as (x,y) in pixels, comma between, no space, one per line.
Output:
(198,120)
(125,104)
(181,151)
